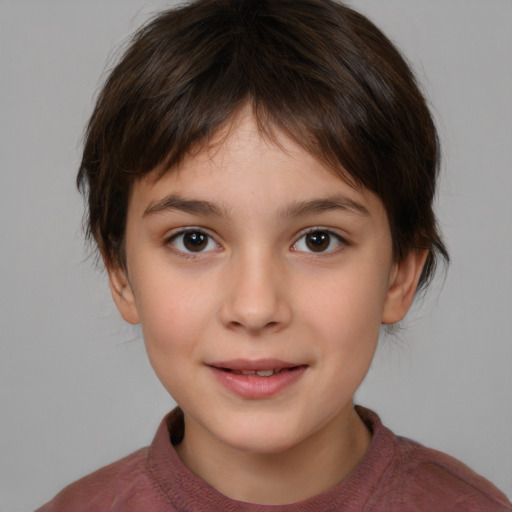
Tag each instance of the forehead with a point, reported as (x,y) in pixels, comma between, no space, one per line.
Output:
(242,165)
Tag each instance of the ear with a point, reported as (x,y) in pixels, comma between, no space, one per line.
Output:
(403,282)
(122,294)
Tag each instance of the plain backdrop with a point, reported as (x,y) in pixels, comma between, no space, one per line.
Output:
(76,391)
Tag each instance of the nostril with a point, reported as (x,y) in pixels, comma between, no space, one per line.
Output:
(254,327)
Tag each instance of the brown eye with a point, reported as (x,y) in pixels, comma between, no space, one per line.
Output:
(193,242)
(318,241)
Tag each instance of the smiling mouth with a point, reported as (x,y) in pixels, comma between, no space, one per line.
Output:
(257,379)
(260,373)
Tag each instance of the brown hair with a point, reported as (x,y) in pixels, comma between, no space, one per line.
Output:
(314,69)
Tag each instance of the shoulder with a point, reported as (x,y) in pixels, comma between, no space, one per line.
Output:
(410,477)
(136,482)
(436,480)
(123,481)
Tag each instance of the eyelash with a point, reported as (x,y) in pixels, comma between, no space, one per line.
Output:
(209,239)
(187,253)
(332,236)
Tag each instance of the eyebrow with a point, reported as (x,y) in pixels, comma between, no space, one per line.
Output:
(193,206)
(315,206)
(297,209)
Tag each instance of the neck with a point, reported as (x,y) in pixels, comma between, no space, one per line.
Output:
(320,462)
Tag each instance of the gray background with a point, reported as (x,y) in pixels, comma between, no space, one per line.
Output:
(76,391)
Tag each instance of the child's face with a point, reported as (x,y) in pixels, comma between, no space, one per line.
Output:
(283,266)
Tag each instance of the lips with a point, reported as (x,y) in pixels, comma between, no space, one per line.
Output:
(257,379)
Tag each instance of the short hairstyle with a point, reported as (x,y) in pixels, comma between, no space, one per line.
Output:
(315,70)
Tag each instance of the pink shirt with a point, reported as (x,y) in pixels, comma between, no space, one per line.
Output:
(396,474)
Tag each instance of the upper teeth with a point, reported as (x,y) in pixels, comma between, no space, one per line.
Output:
(260,373)
(265,373)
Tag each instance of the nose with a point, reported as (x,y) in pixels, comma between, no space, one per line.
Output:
(255,295)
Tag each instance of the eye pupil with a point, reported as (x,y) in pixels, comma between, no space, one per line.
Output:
(318,241)
(195,241)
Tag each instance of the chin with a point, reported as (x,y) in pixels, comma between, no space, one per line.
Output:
(262,444)
(262,438)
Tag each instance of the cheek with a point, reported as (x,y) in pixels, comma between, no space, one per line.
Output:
(173,313)
(172,328)
(343,318)
(348,330)
(348,306)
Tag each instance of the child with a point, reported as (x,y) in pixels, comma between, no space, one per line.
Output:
(260,178)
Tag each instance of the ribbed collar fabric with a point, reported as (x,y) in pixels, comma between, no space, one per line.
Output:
(187,492)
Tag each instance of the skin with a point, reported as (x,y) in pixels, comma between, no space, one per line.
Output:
(257,290)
